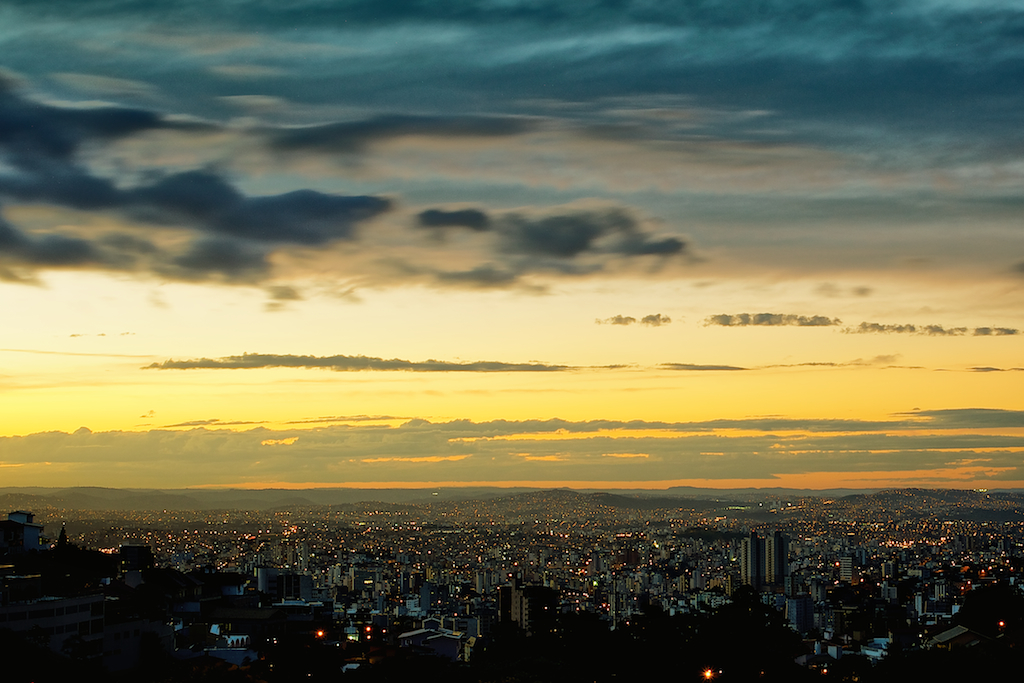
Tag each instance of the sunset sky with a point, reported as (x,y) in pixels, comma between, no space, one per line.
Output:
(629,244)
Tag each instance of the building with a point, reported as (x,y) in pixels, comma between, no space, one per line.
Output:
(800,612)
(776,559)
(752,554)
(19,533)
(532,608)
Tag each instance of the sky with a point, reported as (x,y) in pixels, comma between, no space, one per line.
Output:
(599,244)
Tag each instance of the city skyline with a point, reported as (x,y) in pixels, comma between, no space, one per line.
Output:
(613,245)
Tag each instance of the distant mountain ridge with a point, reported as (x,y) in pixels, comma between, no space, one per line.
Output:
(100,498)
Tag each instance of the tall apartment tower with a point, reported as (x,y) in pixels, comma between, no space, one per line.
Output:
(776,560)
(752,552)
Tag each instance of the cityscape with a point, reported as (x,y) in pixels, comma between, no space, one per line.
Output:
(850,586)
(511,341)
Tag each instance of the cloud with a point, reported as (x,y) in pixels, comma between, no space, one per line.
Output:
(473,219)
(201,259)
(561,241)
(233,260)
(484,276)
(347,418)
(283,293)
(989,368)
(567,235)
(246,71)
(425,458)
(211,422)
(53,250)
(995,331)
(40,146)
(250,361)
(104,85)
(930,330)
(289,441)
(31,131)
(831,290)
(616,320)
(300,217)
(770,320)
(229,236)
(699,368)
(655,320)
(969,418)
(356,136)
(500,450)
(871,328)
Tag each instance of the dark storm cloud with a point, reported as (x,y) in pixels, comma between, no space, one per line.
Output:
(43,250)
(474,219)
(233,260)
(562,236)
(60,182)
(39,144)
(770,320)
(355,136)
(349,364)
(568,243)
(29,130)
(202,200)
(205,199)
(206,258)
(567,235)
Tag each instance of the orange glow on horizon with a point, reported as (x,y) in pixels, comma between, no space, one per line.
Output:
(959,478)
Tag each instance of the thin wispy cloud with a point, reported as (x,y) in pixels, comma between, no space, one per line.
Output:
(251,361)
(693,367)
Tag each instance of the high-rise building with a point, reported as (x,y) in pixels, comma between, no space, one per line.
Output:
(532,608)
(846,569)
(752,560)
(776,560)
(800,612)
